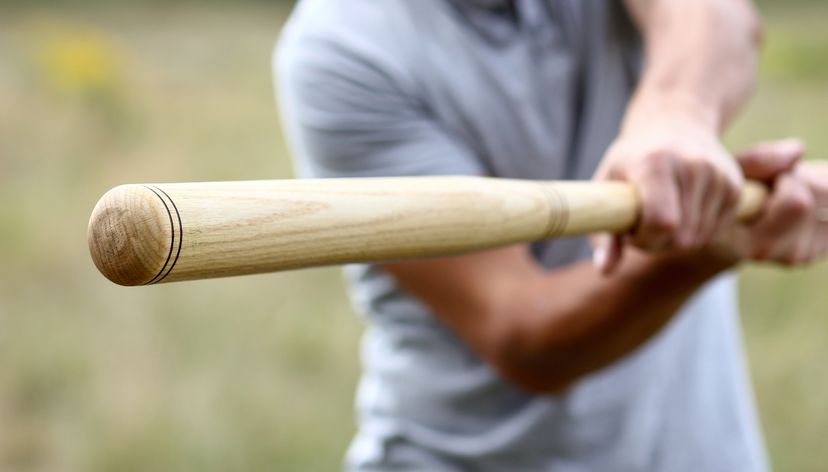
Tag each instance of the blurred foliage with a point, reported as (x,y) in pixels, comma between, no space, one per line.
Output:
(241,374)
(142,3)
(256,373)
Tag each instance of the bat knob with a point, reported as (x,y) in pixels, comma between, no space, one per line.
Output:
(133,233)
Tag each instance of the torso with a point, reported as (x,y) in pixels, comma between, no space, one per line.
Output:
(536,95)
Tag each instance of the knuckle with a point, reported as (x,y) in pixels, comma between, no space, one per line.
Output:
(729,174)
(691,170)
(704,166)
(653,157)
(660,223)
(734,183)
(760,254)
(659,159)
(763,249)
(749,159)
(789,260)
(734,194)
(683,245)
(756,28)
(731,197)
(645,242)
(798,205)
(649,242)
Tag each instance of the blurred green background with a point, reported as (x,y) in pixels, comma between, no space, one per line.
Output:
(257,373)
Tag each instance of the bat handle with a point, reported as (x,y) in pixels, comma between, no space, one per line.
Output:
(752,201)
(578,208)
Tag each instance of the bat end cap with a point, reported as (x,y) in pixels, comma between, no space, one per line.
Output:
(130,235)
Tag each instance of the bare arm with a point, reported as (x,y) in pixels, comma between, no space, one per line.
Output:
(545,329)
(700,56)
(699,71)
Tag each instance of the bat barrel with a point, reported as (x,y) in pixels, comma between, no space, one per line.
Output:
(150,233)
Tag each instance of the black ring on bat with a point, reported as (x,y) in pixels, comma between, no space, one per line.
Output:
(164,271)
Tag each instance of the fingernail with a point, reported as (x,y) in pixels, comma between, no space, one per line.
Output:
(599,257)
(790,146)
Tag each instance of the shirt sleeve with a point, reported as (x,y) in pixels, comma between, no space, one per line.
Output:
(348,111)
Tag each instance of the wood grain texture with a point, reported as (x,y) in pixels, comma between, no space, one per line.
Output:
(149,233)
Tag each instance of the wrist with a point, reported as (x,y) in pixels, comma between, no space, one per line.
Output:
(715,259)
(660,103)
(692,267)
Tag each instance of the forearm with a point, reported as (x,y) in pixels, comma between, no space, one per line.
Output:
(544,329)
(566,324)
(699,57)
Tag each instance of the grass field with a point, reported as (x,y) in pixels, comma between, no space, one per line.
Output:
(256,373)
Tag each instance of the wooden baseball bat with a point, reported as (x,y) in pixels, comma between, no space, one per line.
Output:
(150,233)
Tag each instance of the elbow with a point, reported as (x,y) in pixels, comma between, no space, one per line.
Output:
(754,28)
(530,364)
(757,29)
(740,15)
(526,377)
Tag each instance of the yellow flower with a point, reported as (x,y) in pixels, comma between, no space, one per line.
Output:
(79,61)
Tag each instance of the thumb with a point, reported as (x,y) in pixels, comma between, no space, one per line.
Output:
(766,161)
(607,252)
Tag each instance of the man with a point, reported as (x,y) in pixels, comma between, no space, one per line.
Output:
(533,358)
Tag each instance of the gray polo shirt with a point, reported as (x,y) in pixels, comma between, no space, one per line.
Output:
(529,89)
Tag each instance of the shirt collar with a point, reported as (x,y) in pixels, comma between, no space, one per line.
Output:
(488,3)
(488,16)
